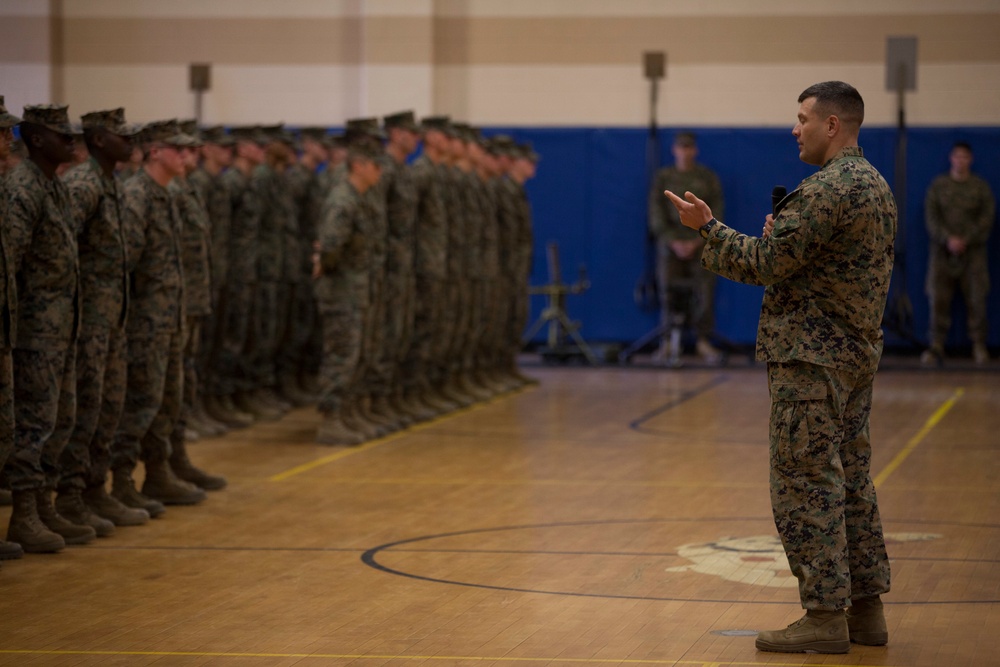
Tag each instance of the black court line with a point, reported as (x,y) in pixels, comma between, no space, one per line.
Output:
(636,425)
(369,558)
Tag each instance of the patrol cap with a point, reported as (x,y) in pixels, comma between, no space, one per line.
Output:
(356,127)
(502,144)
(467,133)
(7,119)
(52,116)
(278,133)
(112,120)
(217,135)
(439,123)
(405,120)
(190,128)
(365,147)
(167,132)
(317,134)
(338,141)
(685,139)
(526,152)
(251,133)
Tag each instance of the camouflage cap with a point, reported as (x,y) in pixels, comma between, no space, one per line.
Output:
(365,147)
(112,120)
(526,152)
(338,141)
(190,128)
(405,120)
(317,134)
(685,139)
(278,133)
(467,133)
(52,116)
(167,132)
(251,133)
(502,144)
(439,123)
(217,135)
(356,127)
(7,119)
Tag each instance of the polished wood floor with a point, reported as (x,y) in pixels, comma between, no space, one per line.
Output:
(611,516)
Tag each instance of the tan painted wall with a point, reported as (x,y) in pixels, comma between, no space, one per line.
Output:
(517,62)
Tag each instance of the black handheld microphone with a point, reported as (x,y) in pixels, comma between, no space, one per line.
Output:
(777,194)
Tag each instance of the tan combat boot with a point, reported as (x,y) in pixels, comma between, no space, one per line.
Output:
(112,509)
(816,632)
(866,622)
(26,527)
(163,485)
(70,505)
(333,431)
(72,533)
(123,489)
(185,470)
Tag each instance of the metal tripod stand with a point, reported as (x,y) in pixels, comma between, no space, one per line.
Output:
(554,314)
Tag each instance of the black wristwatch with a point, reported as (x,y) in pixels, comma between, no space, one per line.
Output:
(706,229)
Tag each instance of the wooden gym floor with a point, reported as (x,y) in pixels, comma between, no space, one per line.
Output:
(611,516)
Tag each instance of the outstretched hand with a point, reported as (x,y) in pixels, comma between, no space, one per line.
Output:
(694,212)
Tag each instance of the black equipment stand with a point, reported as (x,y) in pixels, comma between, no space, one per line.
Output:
(557,347)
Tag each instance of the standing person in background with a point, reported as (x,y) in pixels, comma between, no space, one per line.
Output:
(97,198)
(959,210)
(8,301)
(155,328)
(234,387)
(42,248)
(216,156)
(400,193)
(826,266)
(342,270)
(678,249)
(195,244)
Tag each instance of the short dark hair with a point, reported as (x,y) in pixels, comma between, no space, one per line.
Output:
(837,98)
(965,145)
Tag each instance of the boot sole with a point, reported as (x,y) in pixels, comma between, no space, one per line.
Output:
(870,638)
(838,646)
(44,548)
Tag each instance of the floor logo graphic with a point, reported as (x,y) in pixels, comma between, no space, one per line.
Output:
(757,560)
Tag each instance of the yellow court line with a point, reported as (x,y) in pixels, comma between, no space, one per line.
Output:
(330,458)
(448,658)
(921,434)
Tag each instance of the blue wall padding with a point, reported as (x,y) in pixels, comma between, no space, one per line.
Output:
(590,197)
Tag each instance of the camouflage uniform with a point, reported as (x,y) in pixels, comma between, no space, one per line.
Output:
(965,209)
(400,195)
(430,267)
(277,216)
(518,248)
(240,285)
(343,292)
(666,226)
(155,324)
(293,356)
(212,192)
(98,208)
(43,251)
(8,302)
(196,259)
(826,267)
(510,325)
(492,312)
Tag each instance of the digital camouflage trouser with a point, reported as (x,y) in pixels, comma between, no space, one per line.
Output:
(100,397)
(44,412)
(822,494)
